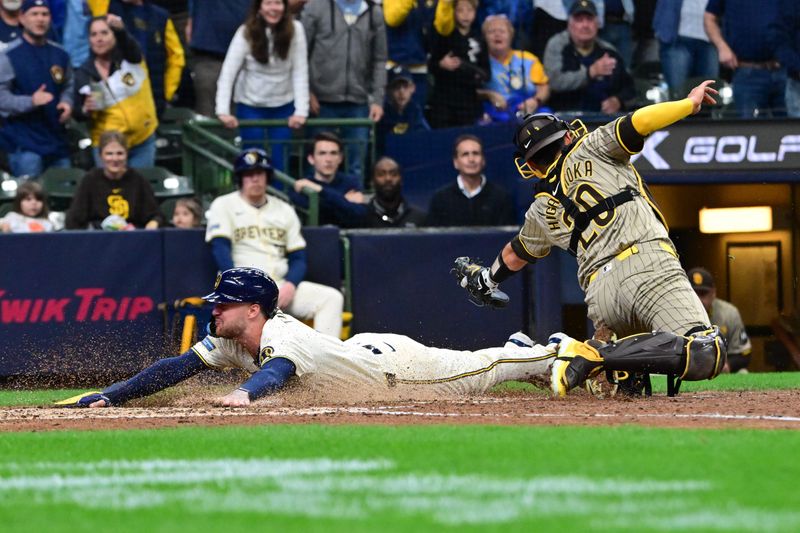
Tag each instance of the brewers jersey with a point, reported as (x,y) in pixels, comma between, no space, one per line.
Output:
(373,361)
(627,264)
(260,236)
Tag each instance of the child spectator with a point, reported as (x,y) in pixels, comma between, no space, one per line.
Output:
(402,114)
(187,213)
(268,65)
(459,63)
(29,214)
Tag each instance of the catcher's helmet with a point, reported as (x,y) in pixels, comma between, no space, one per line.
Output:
(250,285)
(536,132)
(251,159)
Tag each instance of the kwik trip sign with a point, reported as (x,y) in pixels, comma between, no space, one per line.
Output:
(729,145)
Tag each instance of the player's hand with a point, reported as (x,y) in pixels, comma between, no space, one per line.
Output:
(475,278)
(87,399)
(702,94)
(296,122)
(237,398)
(286,294)
(229,121)
(41,96)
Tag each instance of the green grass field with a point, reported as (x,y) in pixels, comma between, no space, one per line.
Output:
(404,478)
(339,478)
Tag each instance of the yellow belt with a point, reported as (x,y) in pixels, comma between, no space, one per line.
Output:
(625,254)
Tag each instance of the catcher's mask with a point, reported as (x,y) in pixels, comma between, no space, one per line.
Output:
(243,284)
(252,159)
(535,133)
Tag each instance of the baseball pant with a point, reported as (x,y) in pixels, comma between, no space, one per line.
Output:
(646,291)
(321,303)
(410,364)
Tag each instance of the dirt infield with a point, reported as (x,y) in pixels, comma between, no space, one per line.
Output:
(753,409)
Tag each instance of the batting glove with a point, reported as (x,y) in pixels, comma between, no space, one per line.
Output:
(84,400)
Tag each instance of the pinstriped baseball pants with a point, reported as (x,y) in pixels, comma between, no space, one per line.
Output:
(647,291)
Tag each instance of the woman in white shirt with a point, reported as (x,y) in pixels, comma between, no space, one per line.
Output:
(265,73)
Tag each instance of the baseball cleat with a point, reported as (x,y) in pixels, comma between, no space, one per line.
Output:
(575,362)
(519,339)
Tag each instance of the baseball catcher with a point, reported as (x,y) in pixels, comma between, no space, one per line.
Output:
(590,200)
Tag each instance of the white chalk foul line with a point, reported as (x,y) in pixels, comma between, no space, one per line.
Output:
(404,410)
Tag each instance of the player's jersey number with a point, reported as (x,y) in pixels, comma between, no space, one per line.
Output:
(587,197)
(377,351)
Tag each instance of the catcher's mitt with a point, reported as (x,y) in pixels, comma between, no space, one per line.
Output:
(475,278)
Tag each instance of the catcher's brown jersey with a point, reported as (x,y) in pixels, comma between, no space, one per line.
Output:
(597,167)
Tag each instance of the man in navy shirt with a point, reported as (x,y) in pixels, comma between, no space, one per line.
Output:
(36,91)
(759,80)
(325,156)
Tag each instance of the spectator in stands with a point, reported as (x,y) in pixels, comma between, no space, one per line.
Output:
(518,84)
(113,91)
(209,30)
(248,228)
(76,31)
(471,200)
(187,213)
(759,80)
(402,113)
(325,154)
(408,24)
(296,8)
(459,62)
(161,46)
(645,42)
(268,63)
(785,35)
(586,73)
(388,208)
(36,95)
(549,18)
(10,27)
(617,26)
(684,47)
(726,316)
(347,66)
(30,212)
(113,192)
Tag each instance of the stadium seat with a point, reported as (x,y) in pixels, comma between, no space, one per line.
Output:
(165,184)
(61,184)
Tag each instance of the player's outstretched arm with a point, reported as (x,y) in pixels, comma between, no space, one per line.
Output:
(482,283)
(158,376)
(657,116)
(272,377)
(634,128)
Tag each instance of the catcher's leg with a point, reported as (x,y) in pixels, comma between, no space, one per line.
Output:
(693,358)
